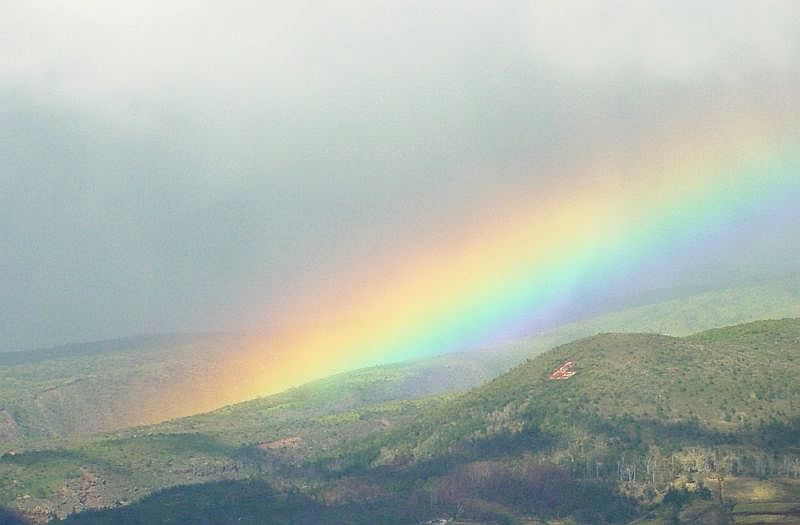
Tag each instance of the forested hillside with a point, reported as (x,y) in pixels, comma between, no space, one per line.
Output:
(85,388)
(646,425)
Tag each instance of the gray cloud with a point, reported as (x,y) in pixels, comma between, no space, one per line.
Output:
(189,165)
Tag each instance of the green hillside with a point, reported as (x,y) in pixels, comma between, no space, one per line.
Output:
(678,317)
(658,417)
(723,385)
(643,428)
(271,436)
(52,394)
(85,388)
(81,389)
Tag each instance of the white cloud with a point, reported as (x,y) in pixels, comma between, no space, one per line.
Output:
(668,40)
(240,142)
(149,57)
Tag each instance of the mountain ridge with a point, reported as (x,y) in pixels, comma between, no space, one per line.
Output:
(592,431)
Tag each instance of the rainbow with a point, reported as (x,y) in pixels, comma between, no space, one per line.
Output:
(524,252)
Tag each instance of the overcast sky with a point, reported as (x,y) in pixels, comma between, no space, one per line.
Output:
(187,166)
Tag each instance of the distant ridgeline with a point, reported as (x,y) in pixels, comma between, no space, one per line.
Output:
(85,388)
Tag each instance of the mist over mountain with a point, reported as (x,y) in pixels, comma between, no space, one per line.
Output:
(104,386)
(191,170)
(349,262)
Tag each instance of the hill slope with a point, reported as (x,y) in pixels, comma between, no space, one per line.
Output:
(81,389)
(641,413)
(648,413)
(722,384)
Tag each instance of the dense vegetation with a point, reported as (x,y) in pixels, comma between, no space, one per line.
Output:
(646,425)
(537,489)
(731,386)
(82,389)
(262,438)
(50,395)
(644,413)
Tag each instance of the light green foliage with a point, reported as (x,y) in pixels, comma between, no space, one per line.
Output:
(717,383)
(640,386)
(94,387)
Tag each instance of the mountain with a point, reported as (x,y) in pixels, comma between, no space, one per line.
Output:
(270,436)
(666,421)
(91,387)
(81,389)
(644,427)
(55,395)
(725,385)
(777,299)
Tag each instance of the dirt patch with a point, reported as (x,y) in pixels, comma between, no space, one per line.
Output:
(564,371)
(289,442)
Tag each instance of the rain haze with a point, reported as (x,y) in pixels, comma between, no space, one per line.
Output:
(192,166)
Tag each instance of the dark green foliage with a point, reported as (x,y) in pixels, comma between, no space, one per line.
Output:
(209,503)
(8,517)
(641,410)
(634,390)
(534,489)
(677,497)
(248,503)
